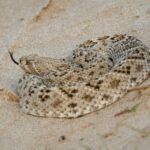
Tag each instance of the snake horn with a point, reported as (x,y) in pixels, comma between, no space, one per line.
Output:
(12,58)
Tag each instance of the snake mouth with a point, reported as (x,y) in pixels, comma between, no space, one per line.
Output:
(12,58)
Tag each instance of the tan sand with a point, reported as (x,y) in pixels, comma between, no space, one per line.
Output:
(53,28)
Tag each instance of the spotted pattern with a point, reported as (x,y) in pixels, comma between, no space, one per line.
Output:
(96,74)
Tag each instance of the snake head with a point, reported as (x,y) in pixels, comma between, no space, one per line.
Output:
(27,63)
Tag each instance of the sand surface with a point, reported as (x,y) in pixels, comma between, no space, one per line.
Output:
(53,28)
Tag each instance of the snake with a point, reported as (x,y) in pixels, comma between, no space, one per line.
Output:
(96,74)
